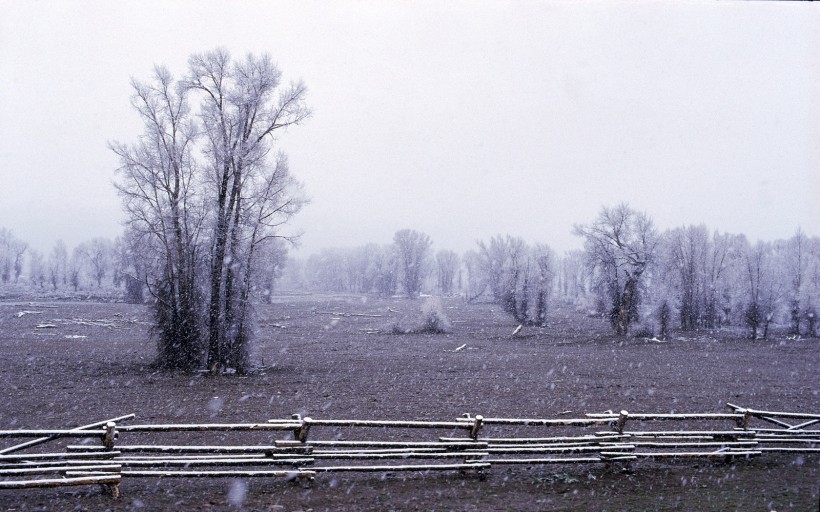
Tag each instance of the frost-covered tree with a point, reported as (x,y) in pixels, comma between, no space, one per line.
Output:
(797,261)
(620,245)
(12,256)
(447,264)
(97,254)
(58,265)
(37,269)
(383,270)
(493,265)
(519,277)
(244,106)
(571,277)
(811,287)
(161,190)
(476,277)
(544,275)
(130,262)
(687,253)
(205,187)
(413,251)
(76,268)
(327,271)
(763,287)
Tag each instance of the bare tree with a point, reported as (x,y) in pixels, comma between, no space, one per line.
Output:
(412,248)
(797,259)
(447,263)
(76,267)
(493,263)
(544,259)
(211,167)
(12,252)
(18,251)
(58,265)
(688,251)
(383,269)
(160,185)
(721,255)
(37,269)
(327,271)
(620,245)
(571,277)
(764,287)
(519,277)
(476,277)
(243,107)
(98,255)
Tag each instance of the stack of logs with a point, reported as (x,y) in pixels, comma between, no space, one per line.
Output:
(399,448)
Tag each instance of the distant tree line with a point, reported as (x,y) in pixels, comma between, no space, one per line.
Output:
(517,276)
(644,282)
(641,280)
(98,263)
(402,267)
(692,277)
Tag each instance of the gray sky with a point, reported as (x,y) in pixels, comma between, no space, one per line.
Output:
(459,119)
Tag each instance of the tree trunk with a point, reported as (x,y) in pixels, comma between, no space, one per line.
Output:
(625,307)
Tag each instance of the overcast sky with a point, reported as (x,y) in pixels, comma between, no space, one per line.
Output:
(459,119)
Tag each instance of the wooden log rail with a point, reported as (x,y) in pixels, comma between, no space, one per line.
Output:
(110,460)
(212,427)
(777,417)
(90,426)
(305,424)
(108,480)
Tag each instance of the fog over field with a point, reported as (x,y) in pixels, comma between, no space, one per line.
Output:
(459,119)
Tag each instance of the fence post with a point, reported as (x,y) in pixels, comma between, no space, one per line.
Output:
(477,421)
(110,435)
(746,417)
(301,432)
(622,417)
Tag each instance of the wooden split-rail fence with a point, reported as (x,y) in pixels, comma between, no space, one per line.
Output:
(104,457)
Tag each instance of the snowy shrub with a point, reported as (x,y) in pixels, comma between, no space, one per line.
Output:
(431,320)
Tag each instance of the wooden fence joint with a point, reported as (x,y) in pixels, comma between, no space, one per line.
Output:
(477,421)
(622,417)
(110,435)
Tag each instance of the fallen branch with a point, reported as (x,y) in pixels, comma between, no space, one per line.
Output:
(19,314)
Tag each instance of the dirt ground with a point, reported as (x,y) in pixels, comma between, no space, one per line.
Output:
(320,361)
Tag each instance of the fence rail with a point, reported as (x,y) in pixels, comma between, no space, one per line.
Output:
(518,441)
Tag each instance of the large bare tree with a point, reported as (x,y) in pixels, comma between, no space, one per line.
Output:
(243,108)
(413,250)
(161,188)
(447,264)
(205,186)
(620,245)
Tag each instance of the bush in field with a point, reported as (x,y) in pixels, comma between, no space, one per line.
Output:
(431,320)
